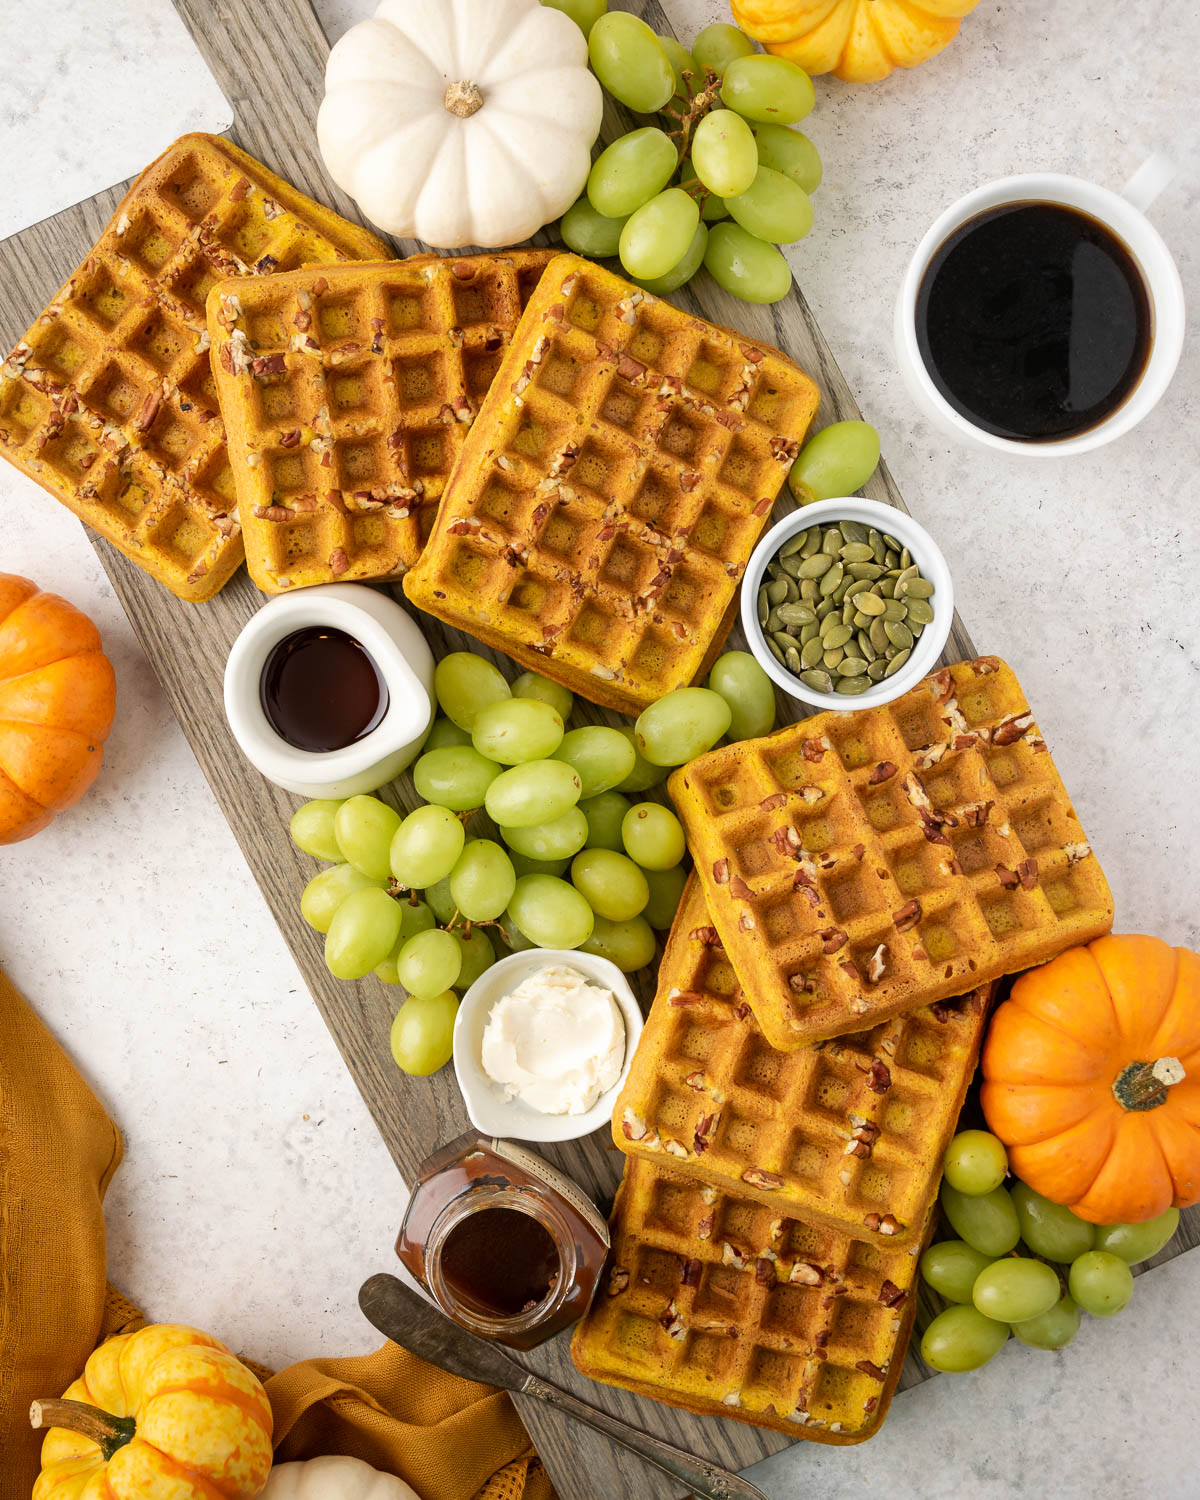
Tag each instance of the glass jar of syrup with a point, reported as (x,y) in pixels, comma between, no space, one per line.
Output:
(506,1246)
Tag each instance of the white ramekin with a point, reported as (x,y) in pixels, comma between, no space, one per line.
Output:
(925,553)
(399,650)
(487,1106)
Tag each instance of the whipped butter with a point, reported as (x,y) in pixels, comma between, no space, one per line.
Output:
(556,1042)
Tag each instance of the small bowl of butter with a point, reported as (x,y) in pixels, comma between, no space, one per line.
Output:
(542,1043)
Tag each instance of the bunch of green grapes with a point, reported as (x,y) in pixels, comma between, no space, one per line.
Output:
(720,181)
(994,1288)
(575,864)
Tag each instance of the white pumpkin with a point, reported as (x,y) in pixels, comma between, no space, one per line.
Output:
(461,122)
(334,1479)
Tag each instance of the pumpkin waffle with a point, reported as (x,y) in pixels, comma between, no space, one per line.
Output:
(108,401)
(348,392)
(612,489)
(849,1132)
(723,1306)
(861,864)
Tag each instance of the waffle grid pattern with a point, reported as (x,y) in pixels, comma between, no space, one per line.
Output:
(348,392)
(612,489)
(109,403)
(717,1304)
(857,865)
(847,1132)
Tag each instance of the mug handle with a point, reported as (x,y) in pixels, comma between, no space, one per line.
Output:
(1148,181)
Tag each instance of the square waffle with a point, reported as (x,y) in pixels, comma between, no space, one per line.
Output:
(613,488)
(861,864)
(848,1132)
(108,401)
(725,1307)
(348,392)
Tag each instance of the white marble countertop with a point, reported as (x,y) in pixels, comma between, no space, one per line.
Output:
(256,1195)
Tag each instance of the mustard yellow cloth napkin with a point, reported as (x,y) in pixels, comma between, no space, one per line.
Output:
(451,1439)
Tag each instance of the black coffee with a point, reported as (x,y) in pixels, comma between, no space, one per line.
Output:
(1033,321)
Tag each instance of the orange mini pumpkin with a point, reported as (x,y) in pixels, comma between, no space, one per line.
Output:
(859,40)
(1092,1079)
(57,694)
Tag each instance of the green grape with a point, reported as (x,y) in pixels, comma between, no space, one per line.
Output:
(426,847)
(523,865)
(772,207)
(482,881)
(987,1222)
(464,684)
(614,886)
(550,913)
(653,836)
(666,889)
(517,730)
(837,462)
(537,792)
(585,13)
(423,1033)
(440,900)
(325,892)
(600,757)
(455,776)
(311,829)
(362,933)
(717,45)
(1053,1329)
(514,938)
(415,917)
(951,1268)
(748,691)
(724,156)
(644,775)
(1048,1228)
(658,235)
(629,945)
(557,838)
(629,61)
(746,267)
(629,173)
(1015,1289)
(762,87)
(478,956)
(683,271)
(790,152)
(681,61)
(429,962)
(444,733)
(1100,1282)
(682,725)
(1133,1242)
(961,1338)
(604,814)
(713,207)
(975,1162)
(533,685)
(365,828)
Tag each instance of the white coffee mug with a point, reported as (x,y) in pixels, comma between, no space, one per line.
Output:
(1125,215)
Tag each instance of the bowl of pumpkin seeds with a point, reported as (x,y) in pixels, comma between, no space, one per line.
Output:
(847,603)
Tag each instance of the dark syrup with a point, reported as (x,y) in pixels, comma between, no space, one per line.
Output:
(321,691)
(499,1262)
(1033,321)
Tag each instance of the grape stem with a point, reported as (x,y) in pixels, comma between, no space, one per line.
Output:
(699,105)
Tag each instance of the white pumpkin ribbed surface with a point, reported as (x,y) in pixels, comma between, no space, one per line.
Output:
(334,1479)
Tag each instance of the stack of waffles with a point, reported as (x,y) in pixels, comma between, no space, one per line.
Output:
(862,882)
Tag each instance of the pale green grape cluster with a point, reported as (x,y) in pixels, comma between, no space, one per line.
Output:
(994,1289)
(720,181)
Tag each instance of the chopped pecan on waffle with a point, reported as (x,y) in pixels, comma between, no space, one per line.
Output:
(108,401)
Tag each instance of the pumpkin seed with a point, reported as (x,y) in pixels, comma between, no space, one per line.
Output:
(782,639)
(776,652)
(810,633)
(812,652)
(857,552)
(852,648)
(812,542)
(920,612)
(831,542)
(896,663)
(906,573)
(854,531)
(877,668)
(894,609)
(791,592)
(796,614)
(794,545)
(852,685)
(823,608)
(836,635)
(865,570)
(764,607)
(877,546)
(899,634)
(813,567)
(791,659)
(866,646)
(809,591)
(831,578)
(832,656)
(915,588)
(893,558)
(905,557)
(878,639)
(861,621)
(885,588)
(820,682)
(792,566)
(851,666)
(891,541)
(777,590)
(848,611)
(869,604)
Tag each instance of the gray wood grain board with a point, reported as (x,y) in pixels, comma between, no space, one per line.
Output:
(268,56)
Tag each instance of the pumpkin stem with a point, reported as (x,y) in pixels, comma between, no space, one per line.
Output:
(463,99)
(1144,1085)
(108,1432)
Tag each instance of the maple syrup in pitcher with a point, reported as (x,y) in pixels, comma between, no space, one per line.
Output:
(321,691)
(1033,321)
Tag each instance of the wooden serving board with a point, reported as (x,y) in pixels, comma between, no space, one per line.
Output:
(269,56)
